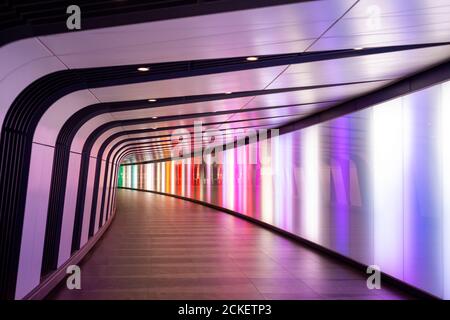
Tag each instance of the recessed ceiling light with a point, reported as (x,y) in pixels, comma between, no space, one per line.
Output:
(143,69)
(228,92)
(358,48)
(154,117)
(252,58)
(151,100)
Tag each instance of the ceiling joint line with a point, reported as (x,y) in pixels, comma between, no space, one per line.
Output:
(51,51)
(307,48)
(332,25)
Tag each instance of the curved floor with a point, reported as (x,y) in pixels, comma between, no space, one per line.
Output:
(160,247)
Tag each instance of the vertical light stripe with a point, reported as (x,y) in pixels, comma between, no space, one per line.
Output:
(163,176)
(189,168)
(172,177)
(158,176)
(266,196)
(387,177)
(183,180)
(135,176)
(244,165)
(228,179)
(279,181)
(445,143)
(129,178)
(148,177)
(311,183)
(209,181)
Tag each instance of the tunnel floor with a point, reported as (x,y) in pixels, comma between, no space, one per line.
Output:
(159,247)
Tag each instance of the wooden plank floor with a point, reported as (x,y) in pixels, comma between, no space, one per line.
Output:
(159,247)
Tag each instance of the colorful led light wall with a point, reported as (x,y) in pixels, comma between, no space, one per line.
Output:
(373,185)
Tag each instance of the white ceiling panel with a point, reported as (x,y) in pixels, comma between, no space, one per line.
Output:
(255,79)
(271,122)
(15,81)
(269,30)
(182,109)
(20,53)
(304,110)
(202,107)
(317,95)
(153,136)
(183,122)
(373,23)
(145,136)
(364,68)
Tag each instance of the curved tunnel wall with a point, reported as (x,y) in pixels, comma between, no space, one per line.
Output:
(50,187)
(40,243)
(372,185)
(57,179)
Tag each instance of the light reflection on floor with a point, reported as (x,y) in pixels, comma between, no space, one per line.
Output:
(160,247)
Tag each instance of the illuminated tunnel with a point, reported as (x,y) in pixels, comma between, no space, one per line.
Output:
(313,121)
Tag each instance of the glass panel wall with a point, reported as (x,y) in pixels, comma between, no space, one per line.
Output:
(373,185)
